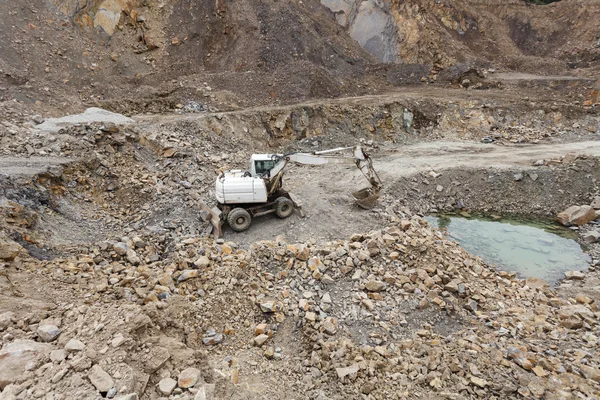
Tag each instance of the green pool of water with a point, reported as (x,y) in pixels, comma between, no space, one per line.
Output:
(538,250)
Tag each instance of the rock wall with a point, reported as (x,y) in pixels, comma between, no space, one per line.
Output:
(370,23)
(514,33)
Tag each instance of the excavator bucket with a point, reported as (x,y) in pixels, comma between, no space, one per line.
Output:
(366,198)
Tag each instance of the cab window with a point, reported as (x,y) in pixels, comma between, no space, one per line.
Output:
(263,166)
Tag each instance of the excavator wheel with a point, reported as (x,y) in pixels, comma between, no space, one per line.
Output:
(239,219)
(284,207)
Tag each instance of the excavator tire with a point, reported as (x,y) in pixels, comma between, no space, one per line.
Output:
(239,219)
(284,207)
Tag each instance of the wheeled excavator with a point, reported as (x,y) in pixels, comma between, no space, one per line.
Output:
(244,194)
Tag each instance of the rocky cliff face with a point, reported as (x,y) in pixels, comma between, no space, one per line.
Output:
(514,33)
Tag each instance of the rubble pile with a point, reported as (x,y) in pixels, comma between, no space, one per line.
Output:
(390,313)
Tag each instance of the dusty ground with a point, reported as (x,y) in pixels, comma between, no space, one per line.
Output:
(111,288)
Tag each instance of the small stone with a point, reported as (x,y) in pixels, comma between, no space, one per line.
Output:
(583,299)
(202,262)
(58,355)
(452,286)
(188,378)
(439,188)
(74,345)
(572,323)
(329,326)
(120,248)
(167,385)
(595,203)
(100,379)
(260,329)
(81,364)
(478,382)
(592,373)
(212,340)
(188,274)
(539,371)
(268,306)
(375,286)
(6,320)
(260,339)
(118,340)
(269,353)
(592,237)
(574,275)
(48,333)
(518,177)
(311,316)
(350,371)
(38,119)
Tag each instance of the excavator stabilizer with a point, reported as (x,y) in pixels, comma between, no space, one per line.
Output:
(366,198)
(213,216)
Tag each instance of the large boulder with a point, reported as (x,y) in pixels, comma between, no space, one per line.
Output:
(576,215)
(19,356)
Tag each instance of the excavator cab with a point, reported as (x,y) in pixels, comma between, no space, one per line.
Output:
(261,164)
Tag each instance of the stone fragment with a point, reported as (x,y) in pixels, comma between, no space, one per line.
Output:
(574,275)
(16,356)
(81,363)
(592,236)
(478,382)
(100,379)
(48,333)
(595,203)
(269,353)
(452,286)
(572,323)
(121,248)
(166,386)
(268,306)
(188,378)
(9,249)
(590,372)
(6,320)
(260,329)
(261,339)
(188,274)
(58,355)
(118,340)
(375,285)
(329,326)
(350,371)
(74,345)
(202,262)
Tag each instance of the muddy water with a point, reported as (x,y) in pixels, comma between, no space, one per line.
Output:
(531,251)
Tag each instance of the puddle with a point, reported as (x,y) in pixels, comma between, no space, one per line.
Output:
(537,250)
